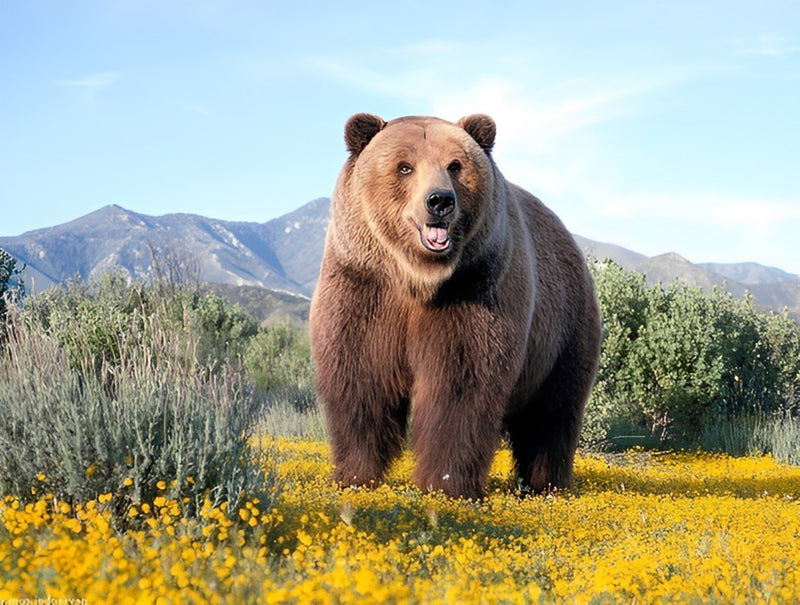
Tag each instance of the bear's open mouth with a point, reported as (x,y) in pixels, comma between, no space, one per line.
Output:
(435,237)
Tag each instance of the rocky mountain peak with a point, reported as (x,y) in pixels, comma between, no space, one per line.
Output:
(285,253)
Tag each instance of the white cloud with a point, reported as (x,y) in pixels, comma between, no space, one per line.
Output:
(417,78)
(412,83)
(198,109)
(541,115)
(759,215)
(88,86)
(767,45)
(701,227)
(541,119)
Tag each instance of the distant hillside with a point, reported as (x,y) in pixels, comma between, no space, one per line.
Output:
(268,306)
(751,273)
(623,256)
(268,255)
(284,255)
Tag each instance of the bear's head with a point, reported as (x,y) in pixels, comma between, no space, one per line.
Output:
(423,187)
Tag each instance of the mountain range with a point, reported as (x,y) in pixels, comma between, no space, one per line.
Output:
(284,254)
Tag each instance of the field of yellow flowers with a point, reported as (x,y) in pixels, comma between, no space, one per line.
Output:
(638,527)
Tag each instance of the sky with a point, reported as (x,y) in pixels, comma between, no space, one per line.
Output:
(658,126)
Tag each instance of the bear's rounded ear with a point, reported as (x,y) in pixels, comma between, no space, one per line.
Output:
(481,128)
(360,129)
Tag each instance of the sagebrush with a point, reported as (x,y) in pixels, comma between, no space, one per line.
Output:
(112,385)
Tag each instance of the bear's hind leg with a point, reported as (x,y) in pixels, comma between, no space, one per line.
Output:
(544,433)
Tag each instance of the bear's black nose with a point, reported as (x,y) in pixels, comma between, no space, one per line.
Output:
(440,202)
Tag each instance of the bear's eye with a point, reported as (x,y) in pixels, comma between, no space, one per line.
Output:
(454,166)
(404,169)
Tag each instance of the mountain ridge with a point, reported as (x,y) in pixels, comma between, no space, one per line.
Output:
(284,253)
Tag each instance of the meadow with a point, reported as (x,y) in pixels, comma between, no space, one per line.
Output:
(636,527)
(158,445)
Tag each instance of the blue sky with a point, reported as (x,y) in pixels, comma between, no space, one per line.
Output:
(659,126)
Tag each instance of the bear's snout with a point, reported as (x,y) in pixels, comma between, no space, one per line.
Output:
(441,203)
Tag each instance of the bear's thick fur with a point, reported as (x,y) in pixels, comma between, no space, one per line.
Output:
(452,296)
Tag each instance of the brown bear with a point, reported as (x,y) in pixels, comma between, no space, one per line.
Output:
(452,296)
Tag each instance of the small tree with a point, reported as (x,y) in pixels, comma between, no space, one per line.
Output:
(12,287)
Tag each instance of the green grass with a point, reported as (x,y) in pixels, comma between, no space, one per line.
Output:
(755,434)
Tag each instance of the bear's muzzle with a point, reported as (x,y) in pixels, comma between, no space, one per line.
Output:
(440,205)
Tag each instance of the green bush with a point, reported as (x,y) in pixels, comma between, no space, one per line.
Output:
(90,320)
(677,361)
(624,303)
(278,360)
(111,389)
(223,330)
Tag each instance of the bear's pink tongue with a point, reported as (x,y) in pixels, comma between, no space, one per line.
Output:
(437,236)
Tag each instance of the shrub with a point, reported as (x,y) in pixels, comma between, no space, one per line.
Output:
(278,360)
(102,390)
(676,361)
(223,330)
(623,300)
(91,320)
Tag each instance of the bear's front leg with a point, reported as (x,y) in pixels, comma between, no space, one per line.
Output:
(366,419)
(463,373)
(366,433)
(361,382)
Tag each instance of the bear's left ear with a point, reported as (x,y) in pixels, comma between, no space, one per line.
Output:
(360,129)
(481,128)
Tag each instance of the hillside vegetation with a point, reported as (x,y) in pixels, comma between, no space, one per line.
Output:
(117,384)
(158,442)
(683,368)
(116,381)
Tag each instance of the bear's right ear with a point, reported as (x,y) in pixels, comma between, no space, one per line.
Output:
(360,129)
